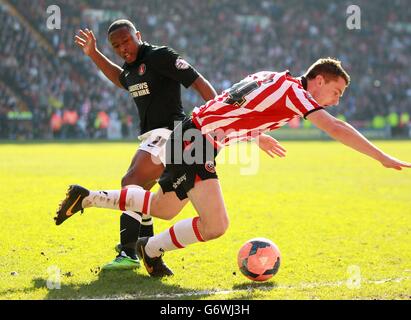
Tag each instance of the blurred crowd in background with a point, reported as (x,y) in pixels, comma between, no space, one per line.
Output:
(50,89)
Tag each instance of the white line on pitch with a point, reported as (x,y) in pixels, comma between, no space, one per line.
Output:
(250,289)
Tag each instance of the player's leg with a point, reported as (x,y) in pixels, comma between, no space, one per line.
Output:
(131,217)
(142,172)
(154,143)
(165,205)
(211,223)
(206,197)
(146,167)
(161,205)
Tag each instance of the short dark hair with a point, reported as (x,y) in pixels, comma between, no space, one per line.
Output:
(121,24)
(329,68)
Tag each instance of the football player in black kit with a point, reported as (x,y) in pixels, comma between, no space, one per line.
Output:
(153,75)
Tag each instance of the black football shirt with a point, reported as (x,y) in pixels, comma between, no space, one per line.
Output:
(153,81)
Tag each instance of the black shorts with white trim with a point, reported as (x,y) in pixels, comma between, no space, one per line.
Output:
(190,157)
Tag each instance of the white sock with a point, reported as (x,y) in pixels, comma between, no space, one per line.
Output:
(131,199)
(182,234)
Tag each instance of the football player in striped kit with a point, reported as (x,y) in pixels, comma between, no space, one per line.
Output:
(261,102)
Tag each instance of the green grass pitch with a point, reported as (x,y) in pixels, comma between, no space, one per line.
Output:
(341,221)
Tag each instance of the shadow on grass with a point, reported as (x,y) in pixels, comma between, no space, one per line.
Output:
(263,286)
(132,285)
(248,290)
(112,285)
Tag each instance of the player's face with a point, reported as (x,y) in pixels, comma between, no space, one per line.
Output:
(328,93)
(125,43)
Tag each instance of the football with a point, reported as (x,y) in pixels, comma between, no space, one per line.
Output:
(259,259)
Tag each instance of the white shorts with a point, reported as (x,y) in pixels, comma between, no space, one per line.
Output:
(154,142)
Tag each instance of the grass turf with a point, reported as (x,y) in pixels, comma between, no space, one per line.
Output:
(339,218)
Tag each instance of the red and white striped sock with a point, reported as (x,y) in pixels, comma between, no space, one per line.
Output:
(182,234)
(129,199)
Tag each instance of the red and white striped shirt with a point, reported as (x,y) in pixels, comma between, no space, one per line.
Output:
(261,102)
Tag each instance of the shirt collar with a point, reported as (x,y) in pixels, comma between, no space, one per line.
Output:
(304,82)
(140,56)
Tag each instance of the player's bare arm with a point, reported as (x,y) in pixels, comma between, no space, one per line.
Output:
(346,134)
(87,41)
(204,88)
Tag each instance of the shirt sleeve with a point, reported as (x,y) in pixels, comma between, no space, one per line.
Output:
(301,102)
(167,62)
(122,79)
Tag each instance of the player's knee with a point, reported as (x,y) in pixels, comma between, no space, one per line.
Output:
(165,215)
(129,186)
(131,178)
(216,231)
(158,210)
(126,180)
(212,234)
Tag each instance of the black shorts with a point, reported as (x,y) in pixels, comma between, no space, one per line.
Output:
(190,157)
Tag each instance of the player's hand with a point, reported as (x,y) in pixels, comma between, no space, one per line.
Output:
(270,146)
(86,40)
(393,163)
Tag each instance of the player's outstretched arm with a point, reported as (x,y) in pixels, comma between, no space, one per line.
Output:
(346,134)
(204,88)
(86,40)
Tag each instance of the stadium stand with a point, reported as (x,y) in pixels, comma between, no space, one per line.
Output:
(47,76)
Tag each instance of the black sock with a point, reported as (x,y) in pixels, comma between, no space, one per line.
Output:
(129,230)
(146,230)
